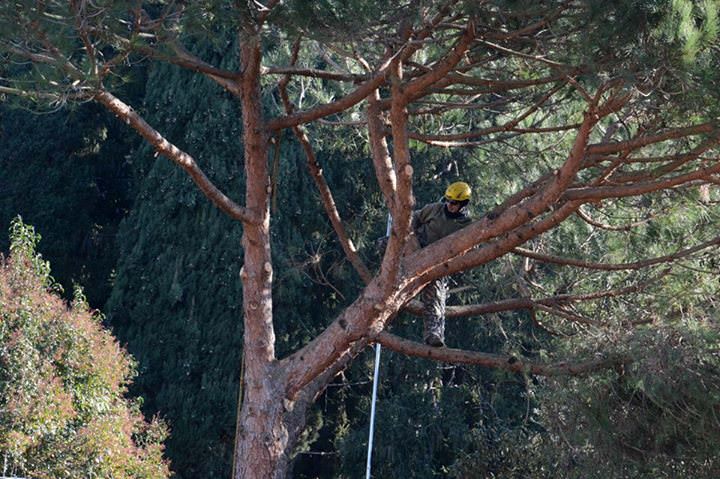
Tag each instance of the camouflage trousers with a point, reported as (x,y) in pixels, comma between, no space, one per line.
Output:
(433,297)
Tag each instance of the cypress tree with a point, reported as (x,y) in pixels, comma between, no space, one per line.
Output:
(68,173)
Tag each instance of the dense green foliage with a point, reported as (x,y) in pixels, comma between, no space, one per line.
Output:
(68,171)
(63,379)
(655,418)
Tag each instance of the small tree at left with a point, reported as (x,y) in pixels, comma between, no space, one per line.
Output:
(63,381)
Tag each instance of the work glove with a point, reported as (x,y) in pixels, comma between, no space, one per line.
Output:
(381,243)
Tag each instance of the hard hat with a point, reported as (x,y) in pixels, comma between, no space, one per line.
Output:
(458,191)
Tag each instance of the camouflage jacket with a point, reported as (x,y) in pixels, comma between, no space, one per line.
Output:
(433,222)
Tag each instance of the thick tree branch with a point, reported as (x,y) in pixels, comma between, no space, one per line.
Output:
(353,98)
(591,193)
(382,162)
(461,257)
(404,199)
(231,81)
(506,363)
(375,80)
(184,160)
(505,242)
(435,260)
(486,228)
(639,142)
(366,316)
(416,88)
(482,254)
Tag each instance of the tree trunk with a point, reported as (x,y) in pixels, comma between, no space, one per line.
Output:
(262,437)
(269,424)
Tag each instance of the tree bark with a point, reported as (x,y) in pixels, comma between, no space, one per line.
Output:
(262,435)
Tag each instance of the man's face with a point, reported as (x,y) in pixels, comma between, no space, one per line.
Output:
(453,206)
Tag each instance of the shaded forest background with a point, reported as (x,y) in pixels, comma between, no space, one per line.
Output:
(163,265)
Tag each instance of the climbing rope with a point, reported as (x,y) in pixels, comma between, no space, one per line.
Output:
(375,384)
(372,410)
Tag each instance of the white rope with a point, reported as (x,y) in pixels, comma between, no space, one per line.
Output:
(372,410)
(375,384)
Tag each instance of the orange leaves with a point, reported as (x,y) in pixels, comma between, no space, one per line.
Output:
(62,383)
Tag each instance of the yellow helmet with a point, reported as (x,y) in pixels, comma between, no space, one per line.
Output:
(458,191)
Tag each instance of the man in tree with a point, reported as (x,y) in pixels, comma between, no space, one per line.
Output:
(430,223)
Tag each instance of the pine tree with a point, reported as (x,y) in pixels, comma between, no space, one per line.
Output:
(573,127)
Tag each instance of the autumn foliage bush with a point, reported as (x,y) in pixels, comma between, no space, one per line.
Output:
(63,380)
